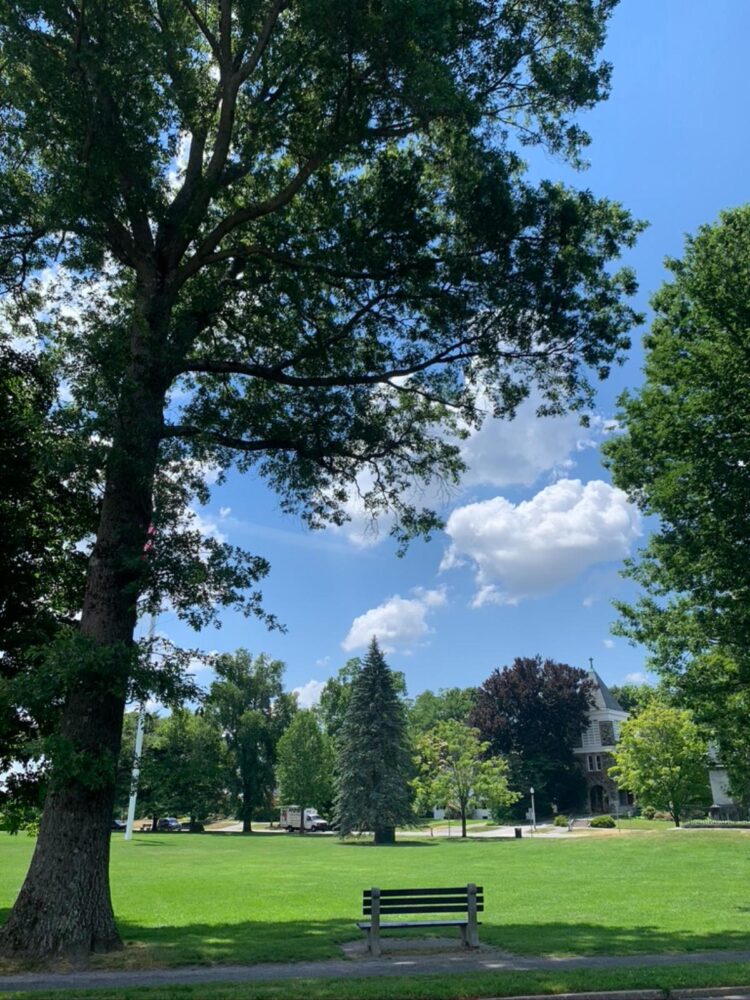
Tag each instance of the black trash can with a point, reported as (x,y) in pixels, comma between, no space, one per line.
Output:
(519,833)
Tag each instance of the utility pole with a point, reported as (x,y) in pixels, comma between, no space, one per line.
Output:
(135,774)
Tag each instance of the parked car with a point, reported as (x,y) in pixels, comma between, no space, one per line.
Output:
(118,824)
(168,824)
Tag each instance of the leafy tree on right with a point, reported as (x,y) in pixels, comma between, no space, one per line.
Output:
(661,758)
(533,713)
(683,457)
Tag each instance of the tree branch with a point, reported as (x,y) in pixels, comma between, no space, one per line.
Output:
(204,28)
(263,39)
(248,214)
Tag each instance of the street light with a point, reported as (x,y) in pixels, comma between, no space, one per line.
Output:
(533,810)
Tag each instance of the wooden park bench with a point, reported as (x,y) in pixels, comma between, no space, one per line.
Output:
(379,903)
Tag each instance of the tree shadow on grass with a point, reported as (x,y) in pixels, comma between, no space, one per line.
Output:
(308,938)
(316,939)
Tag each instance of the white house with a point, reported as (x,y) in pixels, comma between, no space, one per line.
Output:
(595,748)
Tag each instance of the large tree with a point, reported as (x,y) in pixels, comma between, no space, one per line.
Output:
(682,456)
(454,769)
(533,712)
(447,705)
(45,508)
(183,768)
(662,759)
(253,710)
(373,768)
(295,235)
(305,764)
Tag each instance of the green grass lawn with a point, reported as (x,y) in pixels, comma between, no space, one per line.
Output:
(270,897)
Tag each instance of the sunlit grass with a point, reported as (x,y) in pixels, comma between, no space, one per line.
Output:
(275,897)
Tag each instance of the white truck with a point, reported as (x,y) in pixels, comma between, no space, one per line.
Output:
(291,819)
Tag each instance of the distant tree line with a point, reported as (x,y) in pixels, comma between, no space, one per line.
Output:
(366,755)
(371,759)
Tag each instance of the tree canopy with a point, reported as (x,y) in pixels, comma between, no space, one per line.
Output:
(292,236)
(682,457)
(305,768)
(447,705)
(454,769)
(253,711)
(661,758)
(533,712)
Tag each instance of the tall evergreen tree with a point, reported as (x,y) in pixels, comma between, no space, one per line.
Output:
(374,762)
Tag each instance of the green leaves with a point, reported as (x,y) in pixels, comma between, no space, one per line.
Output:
(454,770)
(662,760)
(683,458)
(305,767)
(373,764)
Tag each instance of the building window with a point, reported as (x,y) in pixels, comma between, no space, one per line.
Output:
(594,761)
(607,733)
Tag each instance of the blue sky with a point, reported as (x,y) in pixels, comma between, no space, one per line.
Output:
(535,538)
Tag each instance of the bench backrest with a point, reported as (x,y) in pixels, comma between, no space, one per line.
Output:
(451,900)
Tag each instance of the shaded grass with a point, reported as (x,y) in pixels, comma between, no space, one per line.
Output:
(454,987)
(223,898)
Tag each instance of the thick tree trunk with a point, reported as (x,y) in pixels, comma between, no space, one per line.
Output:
(247,811)
(64,907)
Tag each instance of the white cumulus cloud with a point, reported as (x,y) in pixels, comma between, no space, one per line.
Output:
(530,548)
(308,694)
(637,678)
(499,453)
(519,451)
(398,623)
(609,643)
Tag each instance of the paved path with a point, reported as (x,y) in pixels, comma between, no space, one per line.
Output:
(397,964)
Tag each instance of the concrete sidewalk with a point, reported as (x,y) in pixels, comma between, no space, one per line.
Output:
(398,963)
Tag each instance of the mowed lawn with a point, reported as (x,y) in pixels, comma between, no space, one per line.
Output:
(267,897)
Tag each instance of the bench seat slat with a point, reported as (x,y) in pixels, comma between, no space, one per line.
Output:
(460,890)
(365,925)
(446,908)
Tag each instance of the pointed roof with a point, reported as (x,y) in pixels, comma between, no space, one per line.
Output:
(606,695)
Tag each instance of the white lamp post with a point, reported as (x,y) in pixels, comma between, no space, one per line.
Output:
(135,774)
(533,810)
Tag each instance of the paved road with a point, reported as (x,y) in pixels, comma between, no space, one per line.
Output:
(397,964)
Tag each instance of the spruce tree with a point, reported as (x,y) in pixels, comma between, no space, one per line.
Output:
(374,762)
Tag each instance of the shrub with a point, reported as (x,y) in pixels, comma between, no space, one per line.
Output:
(602,822)
(561,820)
(648,812)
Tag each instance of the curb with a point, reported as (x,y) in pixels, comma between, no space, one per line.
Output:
(692,993)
